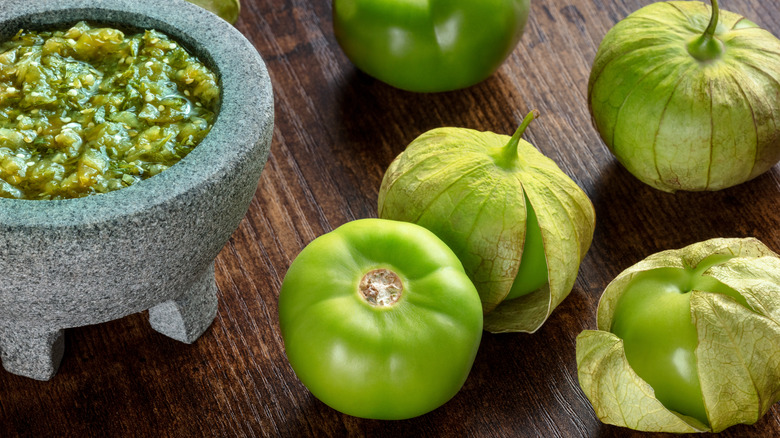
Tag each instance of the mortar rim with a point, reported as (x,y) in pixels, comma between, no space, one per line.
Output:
(245,113)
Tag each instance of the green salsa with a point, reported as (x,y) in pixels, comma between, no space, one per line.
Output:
(90,110)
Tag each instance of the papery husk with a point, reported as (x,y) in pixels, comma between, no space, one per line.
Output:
(446,181)
(738,352)
(677,123)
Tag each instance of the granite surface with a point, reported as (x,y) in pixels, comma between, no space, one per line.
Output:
(75,262)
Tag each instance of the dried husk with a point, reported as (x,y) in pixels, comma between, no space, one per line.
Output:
(738,352)
(680,123)
(447,181)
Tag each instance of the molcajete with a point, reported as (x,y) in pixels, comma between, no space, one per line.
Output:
(73,262)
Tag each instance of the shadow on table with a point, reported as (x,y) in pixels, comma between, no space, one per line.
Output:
(634,220)
(378,121)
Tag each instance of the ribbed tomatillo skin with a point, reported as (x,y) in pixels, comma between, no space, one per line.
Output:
(678,123)
(387,361)
(429,45)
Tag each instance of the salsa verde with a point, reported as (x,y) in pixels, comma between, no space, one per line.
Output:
(89,110)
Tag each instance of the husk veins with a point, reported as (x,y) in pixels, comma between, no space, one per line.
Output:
(683,122)
(448,180)
(738,350)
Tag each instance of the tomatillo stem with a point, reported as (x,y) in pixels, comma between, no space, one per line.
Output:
(381,287)
(707,47)
(509,152)
(713,20)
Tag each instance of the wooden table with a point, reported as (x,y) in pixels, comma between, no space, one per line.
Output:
(336,132)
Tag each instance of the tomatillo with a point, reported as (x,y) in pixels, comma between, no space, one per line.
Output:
(687,340)
(687,96)
(518,223)
(379,320)
(228,10)
(429,45)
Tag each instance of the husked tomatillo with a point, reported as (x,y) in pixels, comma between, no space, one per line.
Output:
(379,320)
(429,45)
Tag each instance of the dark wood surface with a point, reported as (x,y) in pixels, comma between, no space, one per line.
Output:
(336,132)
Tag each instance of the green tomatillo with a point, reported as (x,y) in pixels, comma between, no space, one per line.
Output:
(687,340)
(517,222)
(228,10)
(687,96)
(379,320)
(429,45)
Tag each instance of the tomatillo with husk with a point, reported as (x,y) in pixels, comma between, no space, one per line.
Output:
(687,96)
(519,224)
(687,340)
(379,319)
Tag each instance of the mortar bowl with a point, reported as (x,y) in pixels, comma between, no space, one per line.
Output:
(74,262)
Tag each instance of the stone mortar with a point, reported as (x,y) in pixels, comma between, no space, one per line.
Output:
(75,262)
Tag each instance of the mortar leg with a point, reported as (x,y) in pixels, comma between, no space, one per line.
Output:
(185,318)
(32,352)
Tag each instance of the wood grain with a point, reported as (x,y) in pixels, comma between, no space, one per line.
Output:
(336,132)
